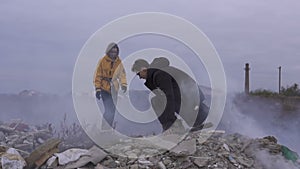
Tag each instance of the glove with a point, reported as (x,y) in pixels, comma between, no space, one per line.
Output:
(98,95)
(124,88)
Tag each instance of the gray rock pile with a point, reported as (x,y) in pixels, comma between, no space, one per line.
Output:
(219,151)
(23,147)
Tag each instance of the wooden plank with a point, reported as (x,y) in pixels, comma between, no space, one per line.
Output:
(45,157)
(43,150)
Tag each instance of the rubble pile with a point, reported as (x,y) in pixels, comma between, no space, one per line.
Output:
(26,138)
(219,151)
(22,147)
(22,136)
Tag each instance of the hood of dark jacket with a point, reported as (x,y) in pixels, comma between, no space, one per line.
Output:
(160,62)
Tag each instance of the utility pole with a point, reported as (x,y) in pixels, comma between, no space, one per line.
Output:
(279,87)
(247,81)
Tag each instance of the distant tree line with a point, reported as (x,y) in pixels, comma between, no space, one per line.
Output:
(285,91)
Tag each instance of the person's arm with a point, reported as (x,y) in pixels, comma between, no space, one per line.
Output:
(97,76)
(122,75)
(164,82)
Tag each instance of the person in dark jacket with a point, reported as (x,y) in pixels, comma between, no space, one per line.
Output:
(182,93)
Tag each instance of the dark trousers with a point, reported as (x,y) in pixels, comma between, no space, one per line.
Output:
(109,106)
(166,119)
(202,115)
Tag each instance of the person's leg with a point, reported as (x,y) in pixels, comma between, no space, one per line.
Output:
(109,107)
(165,118)
(202,115)
(114,104)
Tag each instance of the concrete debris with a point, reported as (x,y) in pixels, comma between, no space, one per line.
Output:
(220,150)
(39,156)
(94,155)
(22,136)
(161,165)
(201,161)
(70,155)
(12,159)
(226,147)
(185,148)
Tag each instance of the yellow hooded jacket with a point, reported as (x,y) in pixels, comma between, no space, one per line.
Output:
(109,72)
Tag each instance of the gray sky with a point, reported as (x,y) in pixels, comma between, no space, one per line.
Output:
(40,40)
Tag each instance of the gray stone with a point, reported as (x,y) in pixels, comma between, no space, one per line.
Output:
(145,162)
(2,136)
(201,161)
(161,165)
(134,166)
(167,161)
(94,155)
(185,148)
(245,162)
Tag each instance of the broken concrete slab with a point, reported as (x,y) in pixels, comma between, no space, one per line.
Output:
(70,155)
(6,129)
(93,155)
(42,153)
(186,147)
(201,161)
(12,159)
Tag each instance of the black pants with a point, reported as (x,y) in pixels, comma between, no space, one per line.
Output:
(168,118)
(202,115)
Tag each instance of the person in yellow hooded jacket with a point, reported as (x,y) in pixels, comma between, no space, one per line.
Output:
(109,77)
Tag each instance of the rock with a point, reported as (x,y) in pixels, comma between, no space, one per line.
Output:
(196,150)
(185,148)
(70,155)
(12,159)
(149,151)
(185,164)
(108,160)
(25,147)
(161,165)
(167,161)
(42,153)
(99,166)
(2,136)
(201,161)
(52,162)
(6,129)
(226,147)
(145,162)
(112,164)
(132,161)
(134,166)
(271,139)
(133,153)
(246,162)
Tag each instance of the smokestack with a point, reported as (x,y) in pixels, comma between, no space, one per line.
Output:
(247,81)
(279,87)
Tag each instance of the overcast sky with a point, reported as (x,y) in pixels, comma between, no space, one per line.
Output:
(40,40)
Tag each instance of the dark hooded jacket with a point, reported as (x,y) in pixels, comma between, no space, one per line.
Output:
(162,83)
(183,97)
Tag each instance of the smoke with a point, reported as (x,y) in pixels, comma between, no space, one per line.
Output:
(37,109)
(259,117)
(273,161)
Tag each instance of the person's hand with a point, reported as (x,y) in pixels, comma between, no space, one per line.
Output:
(98,95)
(124,88)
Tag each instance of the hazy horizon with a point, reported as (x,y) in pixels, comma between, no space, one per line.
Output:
(40,41)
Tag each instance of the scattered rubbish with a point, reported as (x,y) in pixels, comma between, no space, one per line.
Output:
(289,154)
(226,147)
(29,148)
